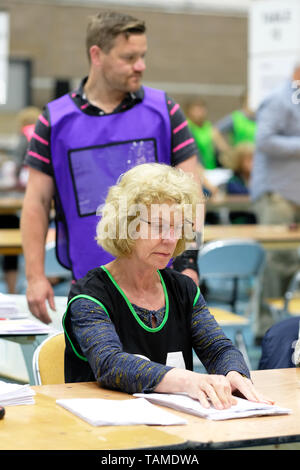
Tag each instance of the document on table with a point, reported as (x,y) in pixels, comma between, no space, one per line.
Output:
(9,308)
(16,394)
(243,408)
(23,327)
(101,412)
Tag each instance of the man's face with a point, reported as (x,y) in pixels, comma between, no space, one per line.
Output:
(124,64)
(197,113)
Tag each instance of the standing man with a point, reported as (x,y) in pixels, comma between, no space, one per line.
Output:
(85,140)
(275,180)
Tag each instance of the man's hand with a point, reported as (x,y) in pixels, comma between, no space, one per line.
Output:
(38,291)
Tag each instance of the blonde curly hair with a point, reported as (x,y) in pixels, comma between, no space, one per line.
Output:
(143,186)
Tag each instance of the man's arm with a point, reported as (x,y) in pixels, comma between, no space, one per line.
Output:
(190,257)
(34,228)
(191,165)
(271,136)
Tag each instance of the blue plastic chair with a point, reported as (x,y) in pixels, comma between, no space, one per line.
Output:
(289,304)
(232,271)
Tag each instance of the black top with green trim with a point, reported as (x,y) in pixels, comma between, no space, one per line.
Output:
(173,335)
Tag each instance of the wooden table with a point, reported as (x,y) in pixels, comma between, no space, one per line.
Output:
(223,204)
(229,201)
(11,240)
(272,237)
(47,426)
(283,386)
(10,204)
(50,427)
(225,318)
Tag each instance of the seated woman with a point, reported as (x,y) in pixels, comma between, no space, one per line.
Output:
(132,324)
(240,160)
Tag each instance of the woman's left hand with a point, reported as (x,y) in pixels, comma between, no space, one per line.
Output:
(246,388)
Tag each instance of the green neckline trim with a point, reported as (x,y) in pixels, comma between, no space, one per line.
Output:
(196,296)
(140,322)
(80,296)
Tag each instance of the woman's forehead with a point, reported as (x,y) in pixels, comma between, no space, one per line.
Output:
(164,210)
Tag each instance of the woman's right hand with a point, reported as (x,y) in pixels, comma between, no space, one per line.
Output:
(209,389)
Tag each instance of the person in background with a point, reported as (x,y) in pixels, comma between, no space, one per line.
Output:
(85,140)
(240,160)
(280,348)
(274,183)
(238,126)
(26,119)
(8,183)
(133,323)
(209,145)
(208,139)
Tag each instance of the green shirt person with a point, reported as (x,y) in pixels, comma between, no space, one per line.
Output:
(207,138)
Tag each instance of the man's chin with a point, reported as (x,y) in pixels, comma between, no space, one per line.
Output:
(134,85)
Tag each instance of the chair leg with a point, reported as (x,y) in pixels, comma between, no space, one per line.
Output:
(240,343)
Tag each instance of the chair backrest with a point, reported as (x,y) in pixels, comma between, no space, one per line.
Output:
(293,288)
(232,272)
(48,360)
(235,258)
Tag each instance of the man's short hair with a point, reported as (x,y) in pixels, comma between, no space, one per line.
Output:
(105,27)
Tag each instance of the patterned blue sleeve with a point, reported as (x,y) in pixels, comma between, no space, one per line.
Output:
(214,349)
(101,345)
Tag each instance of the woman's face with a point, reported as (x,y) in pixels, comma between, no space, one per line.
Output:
(159,232)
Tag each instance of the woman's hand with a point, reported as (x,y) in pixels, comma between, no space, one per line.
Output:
(208,389)
(244,385)
(215,390)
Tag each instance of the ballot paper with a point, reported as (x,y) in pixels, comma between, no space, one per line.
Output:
(101,412)
(23,327)
(243,408)
(15,394)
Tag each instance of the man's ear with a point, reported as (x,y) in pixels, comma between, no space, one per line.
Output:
(96,55)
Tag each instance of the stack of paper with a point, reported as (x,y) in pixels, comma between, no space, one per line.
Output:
(101,412)
(15,394)
(8,306)
(23,327)
(242,409)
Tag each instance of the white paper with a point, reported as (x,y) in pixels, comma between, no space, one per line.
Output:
(243,408)
(16,394)
(101,412)
(8,306)
(218,176)
(23,326)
